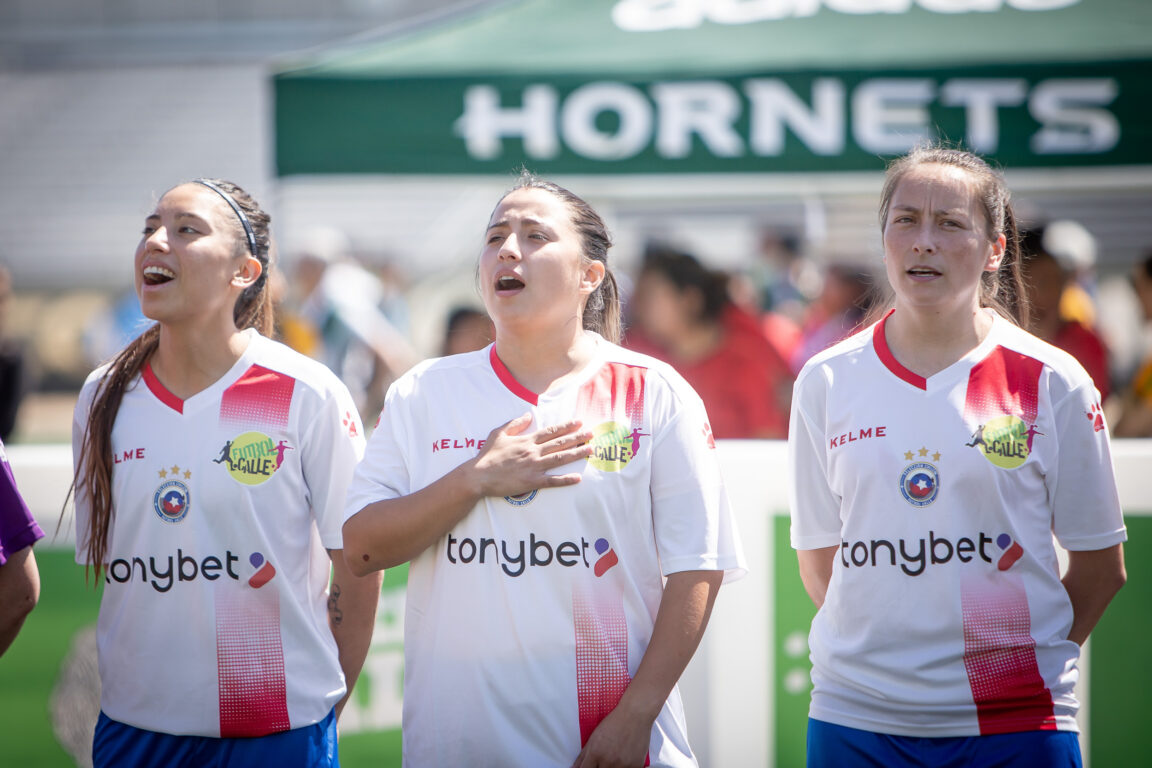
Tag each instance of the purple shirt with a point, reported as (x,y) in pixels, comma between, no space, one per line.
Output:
(18,529)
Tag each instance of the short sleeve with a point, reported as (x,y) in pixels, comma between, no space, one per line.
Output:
(18,529)
(383,473)
(815,508)
(691,514)
(331,450)
(1086,512)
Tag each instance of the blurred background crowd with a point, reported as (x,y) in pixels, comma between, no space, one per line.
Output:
(739,336)
(735,282)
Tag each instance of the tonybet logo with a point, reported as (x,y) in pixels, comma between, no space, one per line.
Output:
(162,573)
(515,557)
(913,557)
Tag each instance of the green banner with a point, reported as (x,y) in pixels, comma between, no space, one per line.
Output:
(1023,115)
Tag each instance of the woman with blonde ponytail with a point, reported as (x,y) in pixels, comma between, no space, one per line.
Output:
(211,466)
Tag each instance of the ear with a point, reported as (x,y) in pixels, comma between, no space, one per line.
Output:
(592,277)
(996,256)
(248,273)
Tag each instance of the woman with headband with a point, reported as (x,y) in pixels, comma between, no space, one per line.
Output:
(211,466)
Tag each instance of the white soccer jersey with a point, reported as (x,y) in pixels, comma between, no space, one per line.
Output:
(945,615)
(526,622)
(213,620)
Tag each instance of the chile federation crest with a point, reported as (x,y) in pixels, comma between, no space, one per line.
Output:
(920,484)
(171,501)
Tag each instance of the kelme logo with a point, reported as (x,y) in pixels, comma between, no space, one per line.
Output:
(1006,441)
(614,445)
(253,457)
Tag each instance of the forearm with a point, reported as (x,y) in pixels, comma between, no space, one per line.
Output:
(680,622)
(352,604)
(390,532)
(816,571)
(19,591)
(1093,579)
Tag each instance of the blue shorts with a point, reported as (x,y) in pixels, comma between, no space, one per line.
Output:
(836,746)
(124,746)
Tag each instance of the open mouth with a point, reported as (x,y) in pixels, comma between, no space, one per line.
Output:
(508,283)
(157,275)
(923,272)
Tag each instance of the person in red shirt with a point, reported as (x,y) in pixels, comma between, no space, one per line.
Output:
(682,314)
(1047,280)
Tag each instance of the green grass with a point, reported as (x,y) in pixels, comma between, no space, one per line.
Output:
(29,668)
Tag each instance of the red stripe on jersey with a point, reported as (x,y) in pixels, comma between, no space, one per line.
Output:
(250,663)
(1000,658)
(615,392)
(601,657)
(884,352)
(508,380)
(261,397)
(160,391)
(1005,383)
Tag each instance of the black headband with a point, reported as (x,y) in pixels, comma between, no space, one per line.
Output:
(239,213)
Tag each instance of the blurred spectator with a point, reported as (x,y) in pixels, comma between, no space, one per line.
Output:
(836,313)
(1135,419)
(785,280)
(12,371)
(1075,248)
(681,313)
(468,329)
(110,330)
(1049,278)
(333,307)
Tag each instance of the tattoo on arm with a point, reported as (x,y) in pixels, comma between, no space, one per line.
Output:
(334,605)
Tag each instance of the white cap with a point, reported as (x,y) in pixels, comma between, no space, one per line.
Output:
(1071,244)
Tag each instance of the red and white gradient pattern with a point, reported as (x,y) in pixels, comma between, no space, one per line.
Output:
(601,657)
(1005,383)
(999,652)
(250,662)
(616,392)
(259,398)
(1000,658)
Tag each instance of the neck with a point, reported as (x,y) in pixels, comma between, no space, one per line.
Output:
(189,360)
(539,359)
(927,342)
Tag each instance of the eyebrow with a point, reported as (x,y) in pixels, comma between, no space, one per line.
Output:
(179,215)
(937,212)
(527,220)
